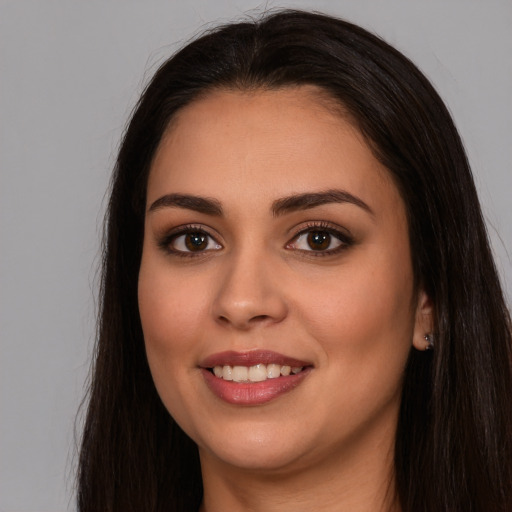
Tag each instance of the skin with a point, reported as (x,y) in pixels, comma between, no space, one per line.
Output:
(353,314)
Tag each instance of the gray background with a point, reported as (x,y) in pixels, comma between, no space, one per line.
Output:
(70,73)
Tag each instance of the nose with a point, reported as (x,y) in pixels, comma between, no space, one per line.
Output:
(250,293)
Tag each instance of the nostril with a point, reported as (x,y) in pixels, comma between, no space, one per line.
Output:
(259,318)
(224,320)
(244,314)
(245,323)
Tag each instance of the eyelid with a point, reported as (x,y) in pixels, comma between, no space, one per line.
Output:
(342,234)
(321,225)
(339,232)
(165,241)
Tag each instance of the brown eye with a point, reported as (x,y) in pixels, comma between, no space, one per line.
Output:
(196,241)
(191,242)
(319,240)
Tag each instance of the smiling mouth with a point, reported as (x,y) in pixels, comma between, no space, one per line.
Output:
(255,373)
(254,377)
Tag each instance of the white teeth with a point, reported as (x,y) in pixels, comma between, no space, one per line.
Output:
(256,373)
(240,373)
(273,371)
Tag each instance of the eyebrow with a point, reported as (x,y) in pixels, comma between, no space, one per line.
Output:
(313,199)
(296,202)
(199,204)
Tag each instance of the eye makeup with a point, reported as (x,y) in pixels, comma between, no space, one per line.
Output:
(320,238)
(187,241)
(313,238)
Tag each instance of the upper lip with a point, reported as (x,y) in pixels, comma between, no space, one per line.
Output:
(250,358)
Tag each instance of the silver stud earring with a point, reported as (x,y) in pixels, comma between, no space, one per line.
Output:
(430,341)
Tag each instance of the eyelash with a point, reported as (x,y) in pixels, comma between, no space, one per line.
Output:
(322,227)
(345,239)
(166,242)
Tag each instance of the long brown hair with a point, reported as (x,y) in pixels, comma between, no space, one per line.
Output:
(454,439)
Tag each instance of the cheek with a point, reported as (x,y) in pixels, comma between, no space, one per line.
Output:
(170,308)
(363,323)
(171,311)
(172,316)
(363,316)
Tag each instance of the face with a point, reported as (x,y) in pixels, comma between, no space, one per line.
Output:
(276,288)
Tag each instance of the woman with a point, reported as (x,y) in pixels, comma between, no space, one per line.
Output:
(299,305)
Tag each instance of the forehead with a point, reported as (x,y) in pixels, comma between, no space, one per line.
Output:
(265,143)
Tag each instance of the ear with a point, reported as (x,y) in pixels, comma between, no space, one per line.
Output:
(424,322)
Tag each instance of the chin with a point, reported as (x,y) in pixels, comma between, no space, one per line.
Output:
(253,448)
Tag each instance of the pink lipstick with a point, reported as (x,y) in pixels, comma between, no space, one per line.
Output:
(252,378)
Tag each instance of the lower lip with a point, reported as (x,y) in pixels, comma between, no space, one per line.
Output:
(252,393)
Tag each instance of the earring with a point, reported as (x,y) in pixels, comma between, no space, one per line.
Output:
(430,341)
